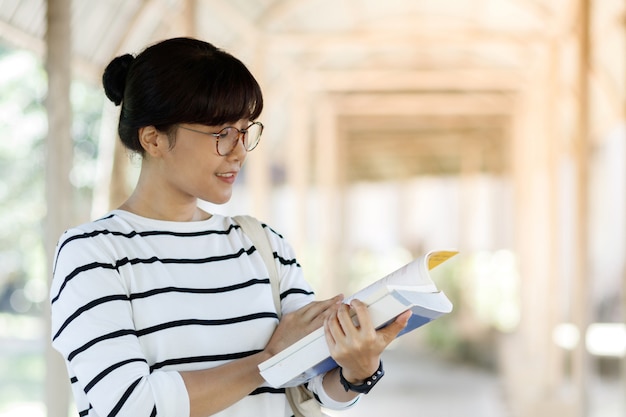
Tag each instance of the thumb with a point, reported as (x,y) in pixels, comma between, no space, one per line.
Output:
(390,331)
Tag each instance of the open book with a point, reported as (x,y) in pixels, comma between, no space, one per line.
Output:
(409,287)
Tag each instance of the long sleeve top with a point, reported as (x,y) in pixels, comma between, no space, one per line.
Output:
(136,300)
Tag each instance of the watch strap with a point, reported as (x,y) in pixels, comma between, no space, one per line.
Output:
(367,385)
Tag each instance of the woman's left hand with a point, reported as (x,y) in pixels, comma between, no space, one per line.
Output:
(357,349)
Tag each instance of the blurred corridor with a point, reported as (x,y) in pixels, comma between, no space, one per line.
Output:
(495,127)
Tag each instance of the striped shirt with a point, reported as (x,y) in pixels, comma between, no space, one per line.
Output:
(136,300)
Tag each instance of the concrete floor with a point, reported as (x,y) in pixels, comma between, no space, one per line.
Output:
(423,385)
(420,384)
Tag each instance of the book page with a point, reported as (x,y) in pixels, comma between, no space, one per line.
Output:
(412,275)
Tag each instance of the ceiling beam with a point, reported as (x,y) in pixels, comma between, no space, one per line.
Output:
(237,20)
(419,104)
(21,39)
(429,39)
(403,80)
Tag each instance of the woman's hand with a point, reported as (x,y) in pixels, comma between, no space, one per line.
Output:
(357,349)
(294,326)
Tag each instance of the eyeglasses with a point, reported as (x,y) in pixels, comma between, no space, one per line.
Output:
(226,139)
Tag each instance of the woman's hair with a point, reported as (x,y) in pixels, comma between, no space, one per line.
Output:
(180,80)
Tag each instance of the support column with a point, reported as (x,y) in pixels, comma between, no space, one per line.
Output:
(258,163)
(58,187)
(327,216)
(298,161)
(580,287)
(526,353)
(623,370)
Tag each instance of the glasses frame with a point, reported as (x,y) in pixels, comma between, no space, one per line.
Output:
(241,135)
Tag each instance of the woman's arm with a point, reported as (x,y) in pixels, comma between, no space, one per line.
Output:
(215,389)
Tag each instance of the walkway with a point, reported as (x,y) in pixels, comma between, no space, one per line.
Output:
(422,385)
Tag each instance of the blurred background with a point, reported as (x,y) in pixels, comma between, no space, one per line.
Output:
(393,127)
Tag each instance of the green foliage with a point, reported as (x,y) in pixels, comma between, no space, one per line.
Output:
(23,130)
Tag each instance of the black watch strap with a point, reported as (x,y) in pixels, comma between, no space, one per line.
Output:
(367,385)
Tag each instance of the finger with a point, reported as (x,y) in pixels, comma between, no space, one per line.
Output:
(330,339)
(316,308)
(319,315)
(362,315)
(344,320)
(390,332)
(334,327)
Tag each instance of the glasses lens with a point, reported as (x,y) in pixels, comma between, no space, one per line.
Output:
(253,135)
(227,140)
(229,137)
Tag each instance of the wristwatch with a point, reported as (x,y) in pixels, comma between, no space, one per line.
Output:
(367,385)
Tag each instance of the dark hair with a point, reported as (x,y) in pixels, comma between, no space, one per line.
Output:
(180,80)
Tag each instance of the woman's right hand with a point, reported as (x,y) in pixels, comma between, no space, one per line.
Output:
(294,326)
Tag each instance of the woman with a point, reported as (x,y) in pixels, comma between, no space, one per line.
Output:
(160,308)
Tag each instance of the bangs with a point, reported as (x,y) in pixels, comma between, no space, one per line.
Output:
(221,93)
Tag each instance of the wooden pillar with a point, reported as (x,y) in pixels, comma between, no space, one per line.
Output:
(580,287)
(624,266)
(188,18)
(258,163)
(326,177)
(58,164)
(298,143)
(469,186)
(107,138)
(556,358)
(527,352)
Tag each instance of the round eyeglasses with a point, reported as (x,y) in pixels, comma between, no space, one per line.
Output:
(227,139)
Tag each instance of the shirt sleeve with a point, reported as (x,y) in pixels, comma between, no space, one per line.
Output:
(93,329)
(315,385)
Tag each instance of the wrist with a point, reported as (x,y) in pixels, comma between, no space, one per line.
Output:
(264,355)
(362,386)
(359,374)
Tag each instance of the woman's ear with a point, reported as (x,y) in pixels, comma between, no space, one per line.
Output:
(152,140)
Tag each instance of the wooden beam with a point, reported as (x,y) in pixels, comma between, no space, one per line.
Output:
(419,121)
(407,80)
(623,362)
(189,18)
(236,20)
(420,104)
(21,39)
(277,11)
(580,282)
(59,147)
(426,39)
(133,39)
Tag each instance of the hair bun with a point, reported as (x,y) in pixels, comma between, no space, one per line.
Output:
(114,77)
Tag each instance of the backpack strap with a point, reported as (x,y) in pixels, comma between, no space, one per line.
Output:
(301,400)
(254,230)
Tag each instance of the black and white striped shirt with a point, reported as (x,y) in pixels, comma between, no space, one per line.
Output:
(136,300)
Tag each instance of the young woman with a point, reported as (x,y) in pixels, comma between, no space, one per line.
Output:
(162,309)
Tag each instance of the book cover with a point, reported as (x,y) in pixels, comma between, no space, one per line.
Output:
(410,287)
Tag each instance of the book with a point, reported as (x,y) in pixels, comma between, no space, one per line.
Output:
(408,288)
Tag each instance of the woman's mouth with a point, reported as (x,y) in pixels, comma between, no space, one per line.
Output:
(228,177)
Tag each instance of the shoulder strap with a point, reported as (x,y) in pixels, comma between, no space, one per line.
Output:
(301,400)
(254,230)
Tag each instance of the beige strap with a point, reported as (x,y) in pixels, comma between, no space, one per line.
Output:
(254,230)
(301,400)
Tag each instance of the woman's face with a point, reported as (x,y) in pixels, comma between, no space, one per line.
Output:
(193,169)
